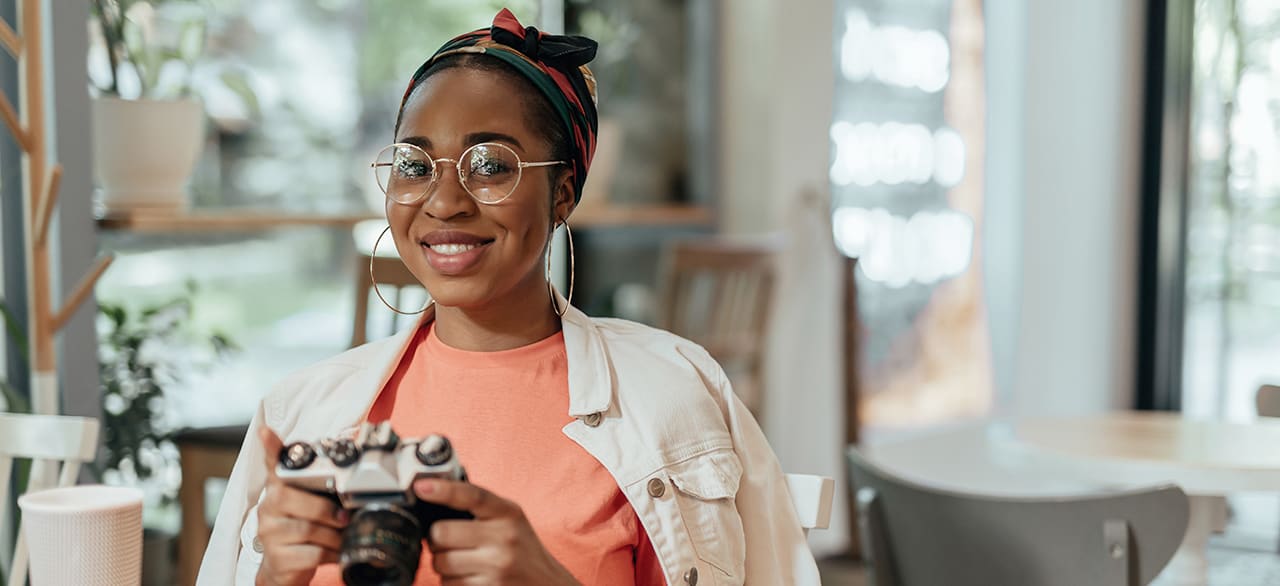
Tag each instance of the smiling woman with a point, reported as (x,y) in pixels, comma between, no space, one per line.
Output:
(596,451)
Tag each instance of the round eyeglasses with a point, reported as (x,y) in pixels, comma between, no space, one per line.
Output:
(488,171)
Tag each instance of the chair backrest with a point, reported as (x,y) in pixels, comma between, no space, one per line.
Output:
(1268,400)
(915,535)
(56,446)
(812,495)
(718,294)
(393,278)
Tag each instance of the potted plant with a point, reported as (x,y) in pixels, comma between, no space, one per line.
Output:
(148,128)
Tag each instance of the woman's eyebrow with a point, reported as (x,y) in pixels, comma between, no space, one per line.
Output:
(479,137)
(421,142)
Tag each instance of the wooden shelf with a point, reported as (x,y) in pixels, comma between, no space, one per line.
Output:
(253,220)
(648,215)
(221,221)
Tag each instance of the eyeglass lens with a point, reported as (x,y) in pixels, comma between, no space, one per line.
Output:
(489,172)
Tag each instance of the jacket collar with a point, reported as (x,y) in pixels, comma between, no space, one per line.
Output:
(590,376)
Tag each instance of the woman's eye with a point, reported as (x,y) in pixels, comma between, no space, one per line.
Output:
(413,169)
(483,167)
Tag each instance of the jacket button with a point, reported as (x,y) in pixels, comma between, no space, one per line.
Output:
(691,577)
(257,545)
(592,419)
(657,488)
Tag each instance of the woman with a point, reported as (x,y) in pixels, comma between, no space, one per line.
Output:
(599,451)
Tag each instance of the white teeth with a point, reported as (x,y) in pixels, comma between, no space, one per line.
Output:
(451,249)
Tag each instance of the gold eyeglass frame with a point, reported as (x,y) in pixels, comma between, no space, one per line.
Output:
(457,164)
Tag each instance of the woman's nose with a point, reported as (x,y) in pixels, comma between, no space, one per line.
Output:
(447,198)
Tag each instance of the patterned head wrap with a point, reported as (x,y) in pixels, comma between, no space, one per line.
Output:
(557,66)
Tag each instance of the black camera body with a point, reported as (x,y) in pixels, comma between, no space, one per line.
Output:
(372,476)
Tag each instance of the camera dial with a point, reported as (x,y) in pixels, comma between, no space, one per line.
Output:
(343,452)
(434,450)
(297,455)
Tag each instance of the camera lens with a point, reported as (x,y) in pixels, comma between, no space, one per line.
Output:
(381,546)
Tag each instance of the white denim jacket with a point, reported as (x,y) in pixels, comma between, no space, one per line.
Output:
(653,408)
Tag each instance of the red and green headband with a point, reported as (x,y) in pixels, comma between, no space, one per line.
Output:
(557,66)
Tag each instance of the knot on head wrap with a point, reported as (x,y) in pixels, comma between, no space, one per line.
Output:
(557,66)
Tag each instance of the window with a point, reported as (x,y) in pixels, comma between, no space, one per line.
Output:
(907,200)
(1232,299)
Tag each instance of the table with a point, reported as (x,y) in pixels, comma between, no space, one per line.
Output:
(1207,459)
(1046,456)
(205,453)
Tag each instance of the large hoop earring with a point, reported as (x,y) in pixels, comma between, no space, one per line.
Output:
(551,290)
(374,280)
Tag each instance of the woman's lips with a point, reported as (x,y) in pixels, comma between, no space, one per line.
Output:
(453,258)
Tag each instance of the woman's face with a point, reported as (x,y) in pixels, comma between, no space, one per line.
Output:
(466,253)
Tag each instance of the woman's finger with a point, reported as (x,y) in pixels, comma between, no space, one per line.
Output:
(271,445)
(461,563)
(465,496)
(287,501)
(295,557)
(451,534)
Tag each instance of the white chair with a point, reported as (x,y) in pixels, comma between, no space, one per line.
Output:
(812,496)
(56,446)
(914,534)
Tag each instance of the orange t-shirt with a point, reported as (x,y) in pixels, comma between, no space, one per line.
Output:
(503,412)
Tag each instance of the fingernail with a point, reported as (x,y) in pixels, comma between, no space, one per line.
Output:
(343,516)
(426,486)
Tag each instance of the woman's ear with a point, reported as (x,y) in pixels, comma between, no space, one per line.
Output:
(562,203)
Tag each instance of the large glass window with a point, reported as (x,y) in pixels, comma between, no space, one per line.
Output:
(1232,307)
(907,203)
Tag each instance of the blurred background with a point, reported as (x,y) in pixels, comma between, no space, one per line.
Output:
(951,209)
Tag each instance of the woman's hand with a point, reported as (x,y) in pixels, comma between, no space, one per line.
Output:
(498,547)
(298,530)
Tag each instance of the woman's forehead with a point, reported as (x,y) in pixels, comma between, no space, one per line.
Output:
(458,103)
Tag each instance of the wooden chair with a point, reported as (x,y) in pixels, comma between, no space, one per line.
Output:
(718,293)
(917,535)
(1268,404)
(1268,401)
(205,453)
(56,446)
(393,279)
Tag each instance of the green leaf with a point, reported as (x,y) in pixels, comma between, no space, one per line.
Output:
(15,331)
(13,400)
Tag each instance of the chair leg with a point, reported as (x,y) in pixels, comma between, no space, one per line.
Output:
(874,542)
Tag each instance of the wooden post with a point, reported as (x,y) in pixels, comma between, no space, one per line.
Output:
(852,351)
(28,125)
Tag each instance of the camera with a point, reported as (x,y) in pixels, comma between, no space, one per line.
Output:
(372,476)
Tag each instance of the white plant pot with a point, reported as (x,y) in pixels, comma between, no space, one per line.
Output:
(144,151)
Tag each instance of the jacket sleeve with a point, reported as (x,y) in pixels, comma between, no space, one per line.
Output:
(777,552)
(230,558)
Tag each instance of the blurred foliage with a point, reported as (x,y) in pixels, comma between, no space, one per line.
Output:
(14,402)
(156,43)
(403,34)
(143,352)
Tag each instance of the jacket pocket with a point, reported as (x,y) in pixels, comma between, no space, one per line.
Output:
(706,487)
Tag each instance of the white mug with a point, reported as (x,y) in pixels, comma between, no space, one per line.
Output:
(89,534)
